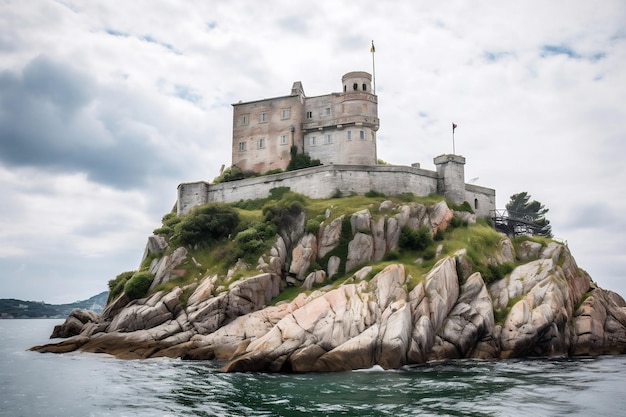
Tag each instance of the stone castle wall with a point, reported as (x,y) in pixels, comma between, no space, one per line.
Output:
(326,180)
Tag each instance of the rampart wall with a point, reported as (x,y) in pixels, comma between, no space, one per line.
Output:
(326,180)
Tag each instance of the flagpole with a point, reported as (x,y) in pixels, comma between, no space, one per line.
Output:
(453,148)
(373,50)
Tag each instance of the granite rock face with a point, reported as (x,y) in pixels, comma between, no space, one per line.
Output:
(546,306)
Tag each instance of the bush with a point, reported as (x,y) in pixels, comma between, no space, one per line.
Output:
(283,211)
(137,286)
(301,160)
(391,256)
(312,226)
(493,273)
(375,194)
(414,240)
(206,223)
(230,174)
(116,285)
(253,240)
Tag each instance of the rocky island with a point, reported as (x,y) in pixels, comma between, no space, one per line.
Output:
(293,284)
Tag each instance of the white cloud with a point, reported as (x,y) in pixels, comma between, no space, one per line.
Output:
(536,88)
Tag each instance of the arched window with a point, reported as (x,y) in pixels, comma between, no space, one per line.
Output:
(344,88)
(475,203)
(355,86)
(364,87)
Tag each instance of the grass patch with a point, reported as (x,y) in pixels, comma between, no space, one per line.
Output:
(582,299)
(288,294)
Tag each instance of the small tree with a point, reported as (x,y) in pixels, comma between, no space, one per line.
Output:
(521,207)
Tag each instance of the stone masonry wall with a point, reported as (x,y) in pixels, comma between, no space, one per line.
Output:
(324,182)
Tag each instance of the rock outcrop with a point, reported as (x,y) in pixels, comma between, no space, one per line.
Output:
(545,306)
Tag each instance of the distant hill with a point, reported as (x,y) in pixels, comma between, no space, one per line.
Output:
(18,309)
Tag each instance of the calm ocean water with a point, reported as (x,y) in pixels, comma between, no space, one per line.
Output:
(78,384)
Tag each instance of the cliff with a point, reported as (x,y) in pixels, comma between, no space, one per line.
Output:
(392,283)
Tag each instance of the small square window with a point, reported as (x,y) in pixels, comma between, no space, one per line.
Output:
(361,135)
(261,143)
(327,111)
(263,117)
(349,135)
(312,140)
(285,114)
(242,146)
(329,138)
(284,140)
(309,115)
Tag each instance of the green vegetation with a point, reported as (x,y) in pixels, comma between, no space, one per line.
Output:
(520,206)
(116,285)
(218,236)
(415,240)
(301,160)
(207,223)
(137,286)
(233,173)
(281,213)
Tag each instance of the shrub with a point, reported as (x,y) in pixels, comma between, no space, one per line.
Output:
(116,285)
(301,160)
(493,273)
(233,173)
(391,256)
(163,231)
(374,194)
(137,286)
(416,240)
(456,222)
(283,211)
(253,240)
(312,226)
(209,222)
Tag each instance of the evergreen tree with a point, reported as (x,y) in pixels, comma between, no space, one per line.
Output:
(521,207)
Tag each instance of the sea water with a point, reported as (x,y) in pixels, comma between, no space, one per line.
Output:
(79,384)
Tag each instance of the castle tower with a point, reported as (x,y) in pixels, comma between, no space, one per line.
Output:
(340,128)
(451,177)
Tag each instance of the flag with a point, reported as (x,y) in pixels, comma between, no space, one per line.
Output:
(453,127)
(372,49)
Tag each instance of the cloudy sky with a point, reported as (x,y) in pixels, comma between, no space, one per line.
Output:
(105,106)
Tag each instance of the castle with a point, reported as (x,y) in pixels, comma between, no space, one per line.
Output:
(336,128)
(339,129)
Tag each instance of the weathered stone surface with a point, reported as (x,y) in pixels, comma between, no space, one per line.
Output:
(360,250)
(315,277)
(378,237)
(529,250)
(204,291)
(600,325)
(360,221)
(302,255)
(440,215)
(74,323)
(156,245)
(329,236)
(333,265)
(164,268)
(546,306)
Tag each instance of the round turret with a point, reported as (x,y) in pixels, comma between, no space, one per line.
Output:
(357,81)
